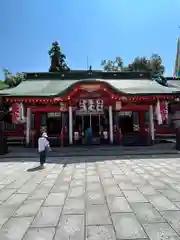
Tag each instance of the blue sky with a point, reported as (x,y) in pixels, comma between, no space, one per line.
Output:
(99,29)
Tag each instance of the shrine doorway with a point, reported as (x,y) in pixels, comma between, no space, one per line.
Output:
(98,123)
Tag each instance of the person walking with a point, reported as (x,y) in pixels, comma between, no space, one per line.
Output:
(43,147)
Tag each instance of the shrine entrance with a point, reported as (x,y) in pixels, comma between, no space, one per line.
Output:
(91,123)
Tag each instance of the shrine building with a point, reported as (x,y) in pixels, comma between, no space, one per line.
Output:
(116,107)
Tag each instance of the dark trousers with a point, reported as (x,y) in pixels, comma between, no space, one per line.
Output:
(42,156)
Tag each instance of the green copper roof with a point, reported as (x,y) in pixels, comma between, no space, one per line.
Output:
(49,88)
(46,88)
(141,87)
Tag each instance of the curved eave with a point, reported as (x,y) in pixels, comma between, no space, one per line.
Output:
(49,88)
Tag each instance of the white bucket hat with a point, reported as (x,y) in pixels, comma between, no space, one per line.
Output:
(44,135)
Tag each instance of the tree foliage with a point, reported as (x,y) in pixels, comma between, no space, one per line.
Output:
(143,64)
(12,80)
(153,65)
(114,66)
(58,59)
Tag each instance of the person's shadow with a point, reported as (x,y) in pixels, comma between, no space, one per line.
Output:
(34,169)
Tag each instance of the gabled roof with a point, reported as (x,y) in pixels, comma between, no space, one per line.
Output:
(50,88)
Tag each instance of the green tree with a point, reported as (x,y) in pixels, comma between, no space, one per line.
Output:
(140,64)
(12,80)
(153,65)
(58,59)
(114,66)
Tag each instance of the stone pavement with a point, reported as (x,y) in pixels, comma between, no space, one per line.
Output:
(96,200)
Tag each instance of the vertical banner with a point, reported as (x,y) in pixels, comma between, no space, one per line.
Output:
(164,110)
(17,113)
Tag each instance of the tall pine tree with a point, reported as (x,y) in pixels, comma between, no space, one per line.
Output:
(58,59)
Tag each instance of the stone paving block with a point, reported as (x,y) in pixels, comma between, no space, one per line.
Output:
(95,197)
(112,191)
(55,199)
(76,192)
(127,226)
(6,193)
(97,215)
(146,213)
(127,186)
(47,217)
(134,196)
(93,179)
(77,183)
(147,176)
(161,203)
(6,181)
(118,204)
(158,184)
(5,214)
(94,187)
(15,200)
(70,227)
(15,228)
(159,231)
(139,170)
(105,175)
(40,234)
(16,184)
(171,194)
(74,206)
(91,173)
(108,182)
(138,182)
(60,188)
(47,184)
(148,190)
(121,178)
(51,177)
(29,208)
(66,179)
(173,218)
(28,188)
(79,176)
(39,193)
(100,233)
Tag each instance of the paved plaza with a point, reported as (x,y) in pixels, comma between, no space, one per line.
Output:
(92,199)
